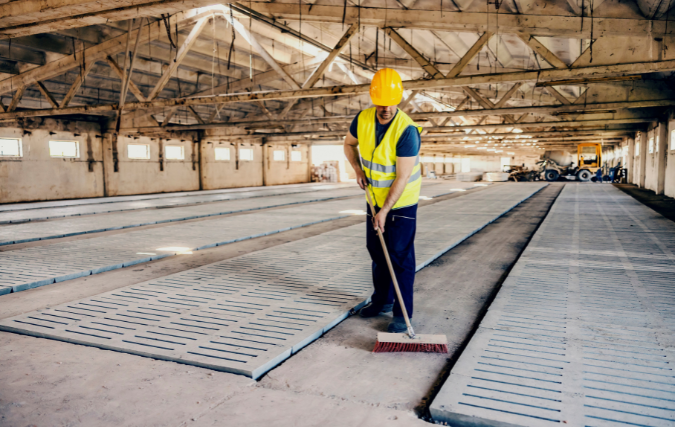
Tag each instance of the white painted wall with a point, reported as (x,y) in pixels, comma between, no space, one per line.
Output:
(155,175)
(38,176)
(286,171)
(484,163)
(233,173)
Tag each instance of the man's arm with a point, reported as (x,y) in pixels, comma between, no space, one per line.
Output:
(404,168)
(352,153)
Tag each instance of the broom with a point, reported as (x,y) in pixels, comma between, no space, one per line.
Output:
(387,342)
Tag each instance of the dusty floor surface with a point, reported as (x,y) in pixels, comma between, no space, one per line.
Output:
(660,203)
(335,381)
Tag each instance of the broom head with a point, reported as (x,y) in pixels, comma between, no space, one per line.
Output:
(387,342)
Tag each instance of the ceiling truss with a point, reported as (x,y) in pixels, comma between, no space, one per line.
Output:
(262,70)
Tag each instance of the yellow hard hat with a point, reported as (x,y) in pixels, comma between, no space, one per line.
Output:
(386,89)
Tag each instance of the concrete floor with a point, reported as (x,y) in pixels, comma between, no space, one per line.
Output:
(662,204)
(334,381)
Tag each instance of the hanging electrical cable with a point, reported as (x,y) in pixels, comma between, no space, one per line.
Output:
(591,46)
(213,55)
(377,46)
(250,47)
(234,36)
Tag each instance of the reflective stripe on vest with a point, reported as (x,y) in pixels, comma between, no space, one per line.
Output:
(377,167)
(387,183)
(379,160)
(382,168)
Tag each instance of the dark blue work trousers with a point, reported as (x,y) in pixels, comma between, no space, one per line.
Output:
(399,235)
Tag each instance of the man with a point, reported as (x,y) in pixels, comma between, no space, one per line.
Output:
(389,143)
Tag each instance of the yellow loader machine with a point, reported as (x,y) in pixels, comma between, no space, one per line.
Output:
(589,160)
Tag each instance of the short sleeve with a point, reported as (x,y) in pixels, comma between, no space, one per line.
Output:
(353,129)
(408,144)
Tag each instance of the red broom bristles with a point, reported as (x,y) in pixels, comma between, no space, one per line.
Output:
(385,347)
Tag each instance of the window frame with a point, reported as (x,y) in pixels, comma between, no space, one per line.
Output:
(228,150)
(20,146)
(166,152)
(241,158)
(77,149)
(149,154)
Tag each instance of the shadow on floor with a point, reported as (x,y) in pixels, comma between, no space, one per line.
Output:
(662,204)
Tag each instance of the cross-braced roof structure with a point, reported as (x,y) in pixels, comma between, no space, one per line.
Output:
(515,74)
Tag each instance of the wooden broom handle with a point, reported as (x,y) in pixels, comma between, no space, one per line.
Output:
(411,333)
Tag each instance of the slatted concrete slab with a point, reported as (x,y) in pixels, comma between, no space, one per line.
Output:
(582,332)
(71,208)
(37,266)
(11,214)
(241,191)
(277,189)
(247,314)
(75,225)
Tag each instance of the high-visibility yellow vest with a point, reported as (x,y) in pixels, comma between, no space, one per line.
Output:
(379,163)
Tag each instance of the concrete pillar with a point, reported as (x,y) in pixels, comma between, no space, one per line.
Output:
(451,167)
(630,159)
(309,164)
(265,162)
(661,151)
(642,171)
(109,145)
(201,148)
(669,186)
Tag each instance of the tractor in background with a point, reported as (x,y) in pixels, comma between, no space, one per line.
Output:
(521,173)
(589,160)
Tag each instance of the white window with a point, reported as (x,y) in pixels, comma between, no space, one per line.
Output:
(64,149)
(246,154)
(138,151)
(637,148)
(222,153)
(656,148)
(651,145)
(174,152)
(466,164)
(10,147)
(296,156)
(505,162)
(279,155)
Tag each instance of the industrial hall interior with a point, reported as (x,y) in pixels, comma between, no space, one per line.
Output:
(337,213)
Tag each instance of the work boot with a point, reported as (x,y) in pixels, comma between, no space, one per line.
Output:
(371,311)
(398,325)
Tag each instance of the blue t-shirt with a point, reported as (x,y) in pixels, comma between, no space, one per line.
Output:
(408,144)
